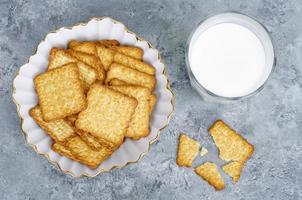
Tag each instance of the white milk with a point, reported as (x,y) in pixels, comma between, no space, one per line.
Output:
(228,60)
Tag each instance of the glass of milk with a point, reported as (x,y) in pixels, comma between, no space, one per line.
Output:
(229,56)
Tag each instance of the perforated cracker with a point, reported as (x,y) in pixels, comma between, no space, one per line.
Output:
(133,63)
(59,130)
(139,124)
(86,155)
(61,149)
(107,115)
(91,60)
(59,57)
(130,76)
(60,92)
(134,52)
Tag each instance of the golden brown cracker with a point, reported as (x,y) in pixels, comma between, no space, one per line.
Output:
(89,139)
(130,76)
(134,52)
(106,55)
(59,130)
(90,46)
(116,82)
(85,136)
(107,115)
(73,43)
(133,63)
(61,149)
(109,42)
(90,60)
(153,100)
(233,169)
(85,46)
(59,57)
(139,124)
(187,151)
(231,145)
(85,154)
(209,172)
(87,74)
(72,118)
(60,92)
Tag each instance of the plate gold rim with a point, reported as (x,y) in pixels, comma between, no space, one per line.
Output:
(55,163)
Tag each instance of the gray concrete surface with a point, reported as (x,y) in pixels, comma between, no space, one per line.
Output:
(272,120)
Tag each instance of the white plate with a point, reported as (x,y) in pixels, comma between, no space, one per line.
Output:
(25,97)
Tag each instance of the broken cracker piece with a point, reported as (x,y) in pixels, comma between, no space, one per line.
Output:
(187,151)
(60,92)
(107,115)
(59,130)
(203,151)
(233,169)
(130,76)
(85,154)
(231,145)
(209,172)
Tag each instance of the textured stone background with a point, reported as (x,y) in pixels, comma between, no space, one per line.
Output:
(272,120)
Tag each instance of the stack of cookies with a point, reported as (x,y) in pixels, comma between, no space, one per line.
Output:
(93,95)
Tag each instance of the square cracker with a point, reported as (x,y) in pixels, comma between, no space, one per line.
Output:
(91,60)
(59,130)
(231,145)
(90,46)
(233,169)
(116,82)
(153,100)
(107,116)
(60,92)
(85,136)
(208,171)
(89,139)
(106,55)
(139,124)
(134,52)
(130,76)
(133,63)
(187,151)
(61,149)
(59,57)
(86,155)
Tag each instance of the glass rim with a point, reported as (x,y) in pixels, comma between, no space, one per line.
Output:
(198,86)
